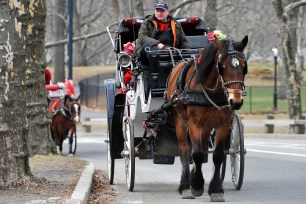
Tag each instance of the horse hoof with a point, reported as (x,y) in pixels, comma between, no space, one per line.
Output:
(196,193)
(70,155)
(186,194)
(217,197)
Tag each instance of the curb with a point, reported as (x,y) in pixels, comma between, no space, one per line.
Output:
(81,192)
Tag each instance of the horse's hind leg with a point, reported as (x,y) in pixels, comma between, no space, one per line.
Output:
(215,189)
(59,145)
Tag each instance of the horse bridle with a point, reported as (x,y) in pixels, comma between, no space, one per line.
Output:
(70,108)
(234,64)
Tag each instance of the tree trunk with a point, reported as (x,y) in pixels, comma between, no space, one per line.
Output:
(138,5)
(116,10)
(289,41)
(14,154)
(59,24)
(210,16)
(300,42)
(37,108)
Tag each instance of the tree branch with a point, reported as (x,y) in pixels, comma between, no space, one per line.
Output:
(62,42)
(294,5)
(182,5)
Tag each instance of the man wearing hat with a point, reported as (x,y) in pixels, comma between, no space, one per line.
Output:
(158,31)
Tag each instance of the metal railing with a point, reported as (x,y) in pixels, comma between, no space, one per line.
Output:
(92,90)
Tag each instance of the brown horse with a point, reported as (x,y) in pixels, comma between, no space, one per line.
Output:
(205,94)
(65,114)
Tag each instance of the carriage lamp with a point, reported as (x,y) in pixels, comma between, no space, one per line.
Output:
(275,54)
(124,59)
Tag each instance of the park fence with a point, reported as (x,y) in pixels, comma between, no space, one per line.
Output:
(259,99)
(92,90)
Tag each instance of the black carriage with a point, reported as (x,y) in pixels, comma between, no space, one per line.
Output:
(138,122)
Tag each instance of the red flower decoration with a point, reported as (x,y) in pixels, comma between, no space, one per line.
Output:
(211,36)
(129,48)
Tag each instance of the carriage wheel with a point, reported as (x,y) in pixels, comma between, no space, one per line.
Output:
(72,142)
(129,152)
(237,152)
(110,163)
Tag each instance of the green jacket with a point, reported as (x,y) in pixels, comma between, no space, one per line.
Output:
(147,31)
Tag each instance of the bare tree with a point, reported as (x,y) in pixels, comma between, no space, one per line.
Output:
(287,14)
(138,5)
(38,117)
(14,154)
(59,26)
(211,14)
(116,9)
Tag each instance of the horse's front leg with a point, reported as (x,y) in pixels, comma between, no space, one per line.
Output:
(215,189)
(199,137)
(70,141)
(185,151)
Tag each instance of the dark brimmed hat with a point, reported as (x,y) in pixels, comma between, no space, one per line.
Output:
(161,5)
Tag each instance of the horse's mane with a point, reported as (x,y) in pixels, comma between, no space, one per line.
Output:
(207,61)
(208,57)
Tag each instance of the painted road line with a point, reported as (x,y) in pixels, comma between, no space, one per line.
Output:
(278,153)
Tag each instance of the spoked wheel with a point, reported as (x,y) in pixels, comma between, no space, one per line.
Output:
(129,152)
(72,140)
(110,163)
(237,152)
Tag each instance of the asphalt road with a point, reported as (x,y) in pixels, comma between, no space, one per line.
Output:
(274,173)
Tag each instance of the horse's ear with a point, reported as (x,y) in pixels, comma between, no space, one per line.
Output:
(219,44)
(78,98)
(244,42)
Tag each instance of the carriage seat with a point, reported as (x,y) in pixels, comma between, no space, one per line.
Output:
(197,41)
(160,66)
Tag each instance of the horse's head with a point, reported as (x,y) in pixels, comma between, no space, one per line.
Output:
(74,108)
(232,68)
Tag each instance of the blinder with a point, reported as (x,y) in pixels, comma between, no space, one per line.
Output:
(234,62)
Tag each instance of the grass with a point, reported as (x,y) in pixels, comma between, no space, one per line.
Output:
(260,99)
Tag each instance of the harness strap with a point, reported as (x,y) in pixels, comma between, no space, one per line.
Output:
(211,101)
(180,83)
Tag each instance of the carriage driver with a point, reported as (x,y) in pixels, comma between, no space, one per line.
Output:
(158,31)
